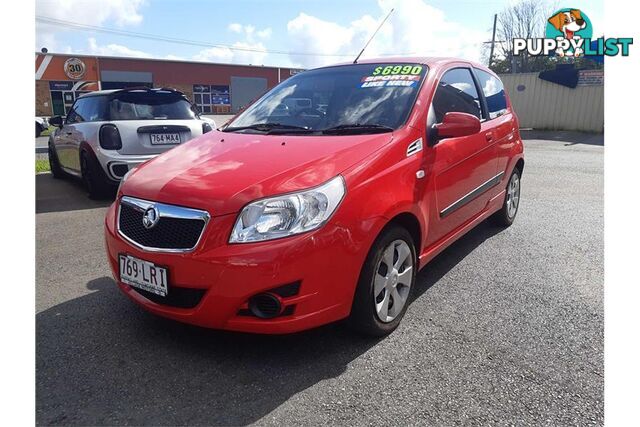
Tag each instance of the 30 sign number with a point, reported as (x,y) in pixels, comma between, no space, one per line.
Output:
(74,68)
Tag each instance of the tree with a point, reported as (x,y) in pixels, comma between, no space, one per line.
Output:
(526,19)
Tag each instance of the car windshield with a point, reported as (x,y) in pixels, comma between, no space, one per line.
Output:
(358,98)
(148,105)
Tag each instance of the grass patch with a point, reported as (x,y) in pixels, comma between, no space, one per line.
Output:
(42,165)
(49,131)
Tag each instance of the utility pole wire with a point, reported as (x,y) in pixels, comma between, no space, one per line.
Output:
(92,28)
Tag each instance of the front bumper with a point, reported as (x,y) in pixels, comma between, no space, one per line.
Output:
(325,262)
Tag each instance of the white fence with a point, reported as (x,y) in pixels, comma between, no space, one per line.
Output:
(543,105)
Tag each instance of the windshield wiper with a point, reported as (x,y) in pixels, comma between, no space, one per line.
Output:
(357,127)
(267,127)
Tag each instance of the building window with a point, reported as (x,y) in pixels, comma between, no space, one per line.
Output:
(207,97)
(64,93)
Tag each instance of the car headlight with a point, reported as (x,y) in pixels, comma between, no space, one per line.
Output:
(289,214)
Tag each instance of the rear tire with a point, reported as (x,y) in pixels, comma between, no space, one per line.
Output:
(507,214)
(39,129)
(94,179)
(54,163)
(385,285)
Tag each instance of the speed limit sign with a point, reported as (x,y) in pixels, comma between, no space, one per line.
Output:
(74,68)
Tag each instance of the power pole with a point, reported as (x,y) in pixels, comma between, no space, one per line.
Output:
(493,38)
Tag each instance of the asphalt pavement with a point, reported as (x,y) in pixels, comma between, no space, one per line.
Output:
(506,328)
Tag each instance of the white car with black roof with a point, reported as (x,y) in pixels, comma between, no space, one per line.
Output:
(109,132)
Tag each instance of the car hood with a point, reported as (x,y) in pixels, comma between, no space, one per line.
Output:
(223,171)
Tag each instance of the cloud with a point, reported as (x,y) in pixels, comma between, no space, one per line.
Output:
(264,34)
(248,51)
(120,12)
(114,50)
(214,54)
(174,57)
(255,56)
(415,28)
(313,35)
(235,28)
(249,31)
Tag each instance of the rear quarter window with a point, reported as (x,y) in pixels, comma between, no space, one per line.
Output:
(493,90)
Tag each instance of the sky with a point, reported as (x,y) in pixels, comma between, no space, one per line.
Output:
(286,33)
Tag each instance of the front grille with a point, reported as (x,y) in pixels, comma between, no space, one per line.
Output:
(176,297)
(178,229)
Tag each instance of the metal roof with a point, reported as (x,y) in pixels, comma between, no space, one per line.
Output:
(181,61)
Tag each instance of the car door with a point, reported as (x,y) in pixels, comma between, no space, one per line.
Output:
(501,121)
(463,167)
(62,140)
(73,133)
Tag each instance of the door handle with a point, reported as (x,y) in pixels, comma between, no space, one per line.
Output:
(489,136)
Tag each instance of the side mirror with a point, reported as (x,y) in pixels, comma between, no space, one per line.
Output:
(56,121)
(456,124)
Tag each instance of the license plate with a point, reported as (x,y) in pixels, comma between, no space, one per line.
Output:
(144,275)
(165,138)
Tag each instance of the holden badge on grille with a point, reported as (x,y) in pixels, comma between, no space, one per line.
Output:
(150,218)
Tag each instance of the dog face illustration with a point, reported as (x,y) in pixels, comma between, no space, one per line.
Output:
(568,22)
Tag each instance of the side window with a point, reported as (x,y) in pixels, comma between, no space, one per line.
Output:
(494,93)
(95,109)
(78,111)
(456,92)
(71,115)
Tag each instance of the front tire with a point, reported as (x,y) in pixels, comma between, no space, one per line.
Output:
(386,282)
(507,214)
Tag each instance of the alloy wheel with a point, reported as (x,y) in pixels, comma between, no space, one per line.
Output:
(513,195)
(392,280)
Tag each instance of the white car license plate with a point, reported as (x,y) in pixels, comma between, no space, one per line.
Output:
(165,138)
(143,275)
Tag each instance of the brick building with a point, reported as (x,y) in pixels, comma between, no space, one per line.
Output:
(214,88)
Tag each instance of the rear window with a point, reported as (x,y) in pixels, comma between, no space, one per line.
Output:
(494,93)
(145,105)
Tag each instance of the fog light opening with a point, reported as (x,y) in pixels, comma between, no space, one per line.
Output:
(265,306)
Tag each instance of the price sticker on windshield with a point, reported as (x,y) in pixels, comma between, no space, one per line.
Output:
(393,76)
(399,69)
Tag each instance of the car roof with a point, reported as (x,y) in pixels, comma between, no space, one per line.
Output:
(430,61)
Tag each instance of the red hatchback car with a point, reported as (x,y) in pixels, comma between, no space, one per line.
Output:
(321,200)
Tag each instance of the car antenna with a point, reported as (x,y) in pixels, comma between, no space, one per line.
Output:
(355,61)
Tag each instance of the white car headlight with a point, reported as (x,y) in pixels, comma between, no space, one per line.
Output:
(289,214)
